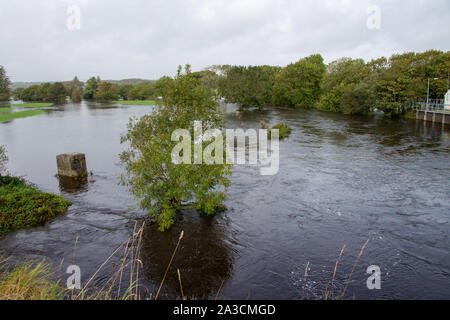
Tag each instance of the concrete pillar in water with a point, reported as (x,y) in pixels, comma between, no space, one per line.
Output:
(72,165)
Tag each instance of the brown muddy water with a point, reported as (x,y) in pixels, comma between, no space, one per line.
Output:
(342,180)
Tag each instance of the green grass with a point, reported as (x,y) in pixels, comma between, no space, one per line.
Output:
(22,205)
(8,116)
(5,110)
(32,105)
(29,281)
(136,102)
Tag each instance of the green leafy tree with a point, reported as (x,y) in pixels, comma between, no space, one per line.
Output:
(36,92)
(107,91)
(147,91)
(17,93)
(250,86)
(341,77)
(4,85)
(331,100)
(209,79)
(402,79)
(75,90)
(161,85)
(29,93)
(160,185)
(123,91)
(56,93)
(298,84)
(142,92)
(77,95)
(358,98)
(42,93)
(134,93)
(91,87)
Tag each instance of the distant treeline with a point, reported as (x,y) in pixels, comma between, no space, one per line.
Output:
(47,92)
(94,88)
(349,86)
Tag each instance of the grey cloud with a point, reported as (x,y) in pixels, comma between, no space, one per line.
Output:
(148,39)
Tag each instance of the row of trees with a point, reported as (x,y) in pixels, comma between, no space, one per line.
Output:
(46,92)
(100,90)
(349,86)
(93,89)
(56,92)
(248,86)
(296,85)
(354,87)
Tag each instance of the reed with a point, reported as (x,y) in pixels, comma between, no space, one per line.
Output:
(353,269)
(330,289)
(170,263)
(329,292)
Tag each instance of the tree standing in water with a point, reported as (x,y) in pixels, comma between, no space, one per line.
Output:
(161,185)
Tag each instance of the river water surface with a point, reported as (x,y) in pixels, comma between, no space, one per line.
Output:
(342,180)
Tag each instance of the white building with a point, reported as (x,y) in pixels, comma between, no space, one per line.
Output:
(447,101)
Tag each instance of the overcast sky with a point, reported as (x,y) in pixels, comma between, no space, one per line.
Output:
(150,38)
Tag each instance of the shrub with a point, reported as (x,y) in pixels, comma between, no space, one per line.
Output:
(22,205)
(284,130)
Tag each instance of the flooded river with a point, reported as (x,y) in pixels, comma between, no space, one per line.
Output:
(342,180)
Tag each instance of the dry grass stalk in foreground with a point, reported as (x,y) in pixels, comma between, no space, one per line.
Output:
(304,280)
(353,269)
(170,263)
(329,289)
(130,260)
(34,281)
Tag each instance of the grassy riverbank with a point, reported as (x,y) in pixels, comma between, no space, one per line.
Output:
(22,205)
(32,105)
(136,102)
(7,115)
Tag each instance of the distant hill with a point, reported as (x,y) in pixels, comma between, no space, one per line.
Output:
(15,85)
(132,81)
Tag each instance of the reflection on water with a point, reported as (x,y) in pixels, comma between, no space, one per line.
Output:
(71,185)
(341,181)
(203,258)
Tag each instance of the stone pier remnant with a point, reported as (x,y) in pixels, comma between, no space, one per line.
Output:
(72,165)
